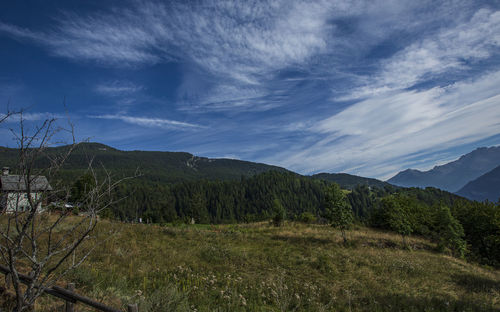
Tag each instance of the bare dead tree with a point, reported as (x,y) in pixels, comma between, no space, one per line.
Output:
(47,247)
(9,113)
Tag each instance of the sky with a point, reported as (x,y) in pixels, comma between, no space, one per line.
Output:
(363,87)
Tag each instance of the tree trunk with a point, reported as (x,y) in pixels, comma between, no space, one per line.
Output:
(344,235)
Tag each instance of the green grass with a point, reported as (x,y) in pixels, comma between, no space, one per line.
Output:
(258,267)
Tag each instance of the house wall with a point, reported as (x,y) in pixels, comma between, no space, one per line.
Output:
(18,201)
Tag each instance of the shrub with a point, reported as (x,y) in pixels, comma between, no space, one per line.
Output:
(306,217)
(337,210)
(397,216)
(279,213)
(449,232)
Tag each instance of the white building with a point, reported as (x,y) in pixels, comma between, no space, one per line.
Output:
(13,191)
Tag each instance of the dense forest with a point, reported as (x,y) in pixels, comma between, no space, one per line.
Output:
(246,200)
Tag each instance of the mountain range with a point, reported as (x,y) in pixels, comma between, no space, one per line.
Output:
(171,167)
(474,175)
(155,166)
(486,186)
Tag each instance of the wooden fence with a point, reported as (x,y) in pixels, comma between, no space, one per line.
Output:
(67,294)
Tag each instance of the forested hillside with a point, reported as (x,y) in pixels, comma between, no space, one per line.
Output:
(349,181)
(249,199)
(163,167)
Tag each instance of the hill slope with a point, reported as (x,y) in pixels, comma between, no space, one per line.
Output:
(156,166)
(169,167)
(454,175)
(349,181)
(486,187)
(257,267)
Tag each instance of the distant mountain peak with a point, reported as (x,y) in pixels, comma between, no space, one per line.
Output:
(409,170)
(486,187)
(453,175)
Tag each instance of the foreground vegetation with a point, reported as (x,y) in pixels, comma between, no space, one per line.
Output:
(259,267)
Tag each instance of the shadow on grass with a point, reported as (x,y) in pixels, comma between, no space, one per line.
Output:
(379,243)
(400,302)
(475,283)
(383,243)
(7,299)
(302,240)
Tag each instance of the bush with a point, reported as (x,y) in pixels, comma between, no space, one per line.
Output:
(279,213)
(395,216)
(450,233)
(306,217)
(337,210)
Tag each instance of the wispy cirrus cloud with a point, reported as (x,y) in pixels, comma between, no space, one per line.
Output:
(150,122)
(118,88)
(26,116)
(93,39)
(383,134)
(448,52)
(240,44)
(392,125)
(362,86)
(270,33)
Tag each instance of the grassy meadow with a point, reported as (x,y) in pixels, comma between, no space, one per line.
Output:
(258,267)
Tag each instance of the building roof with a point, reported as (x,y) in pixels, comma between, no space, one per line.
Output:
(17,183)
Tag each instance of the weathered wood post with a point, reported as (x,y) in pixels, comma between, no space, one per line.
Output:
(132,308)
(70,306)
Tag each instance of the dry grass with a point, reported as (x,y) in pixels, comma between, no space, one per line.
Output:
(256,267)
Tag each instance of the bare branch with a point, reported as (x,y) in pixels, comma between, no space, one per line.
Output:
(32,241)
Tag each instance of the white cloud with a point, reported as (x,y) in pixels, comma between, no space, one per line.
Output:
(450,50)
(217,35)
(240,43)
(241,50)
(381,135)
(118,88)
(16,117)
(93,39)
(150,122)
(243,45)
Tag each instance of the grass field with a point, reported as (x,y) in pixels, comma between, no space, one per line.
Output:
(257,267)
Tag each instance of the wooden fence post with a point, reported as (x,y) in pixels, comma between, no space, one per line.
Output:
(70,306)
(132,308)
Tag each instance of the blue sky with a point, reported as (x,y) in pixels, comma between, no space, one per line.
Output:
(364,87)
